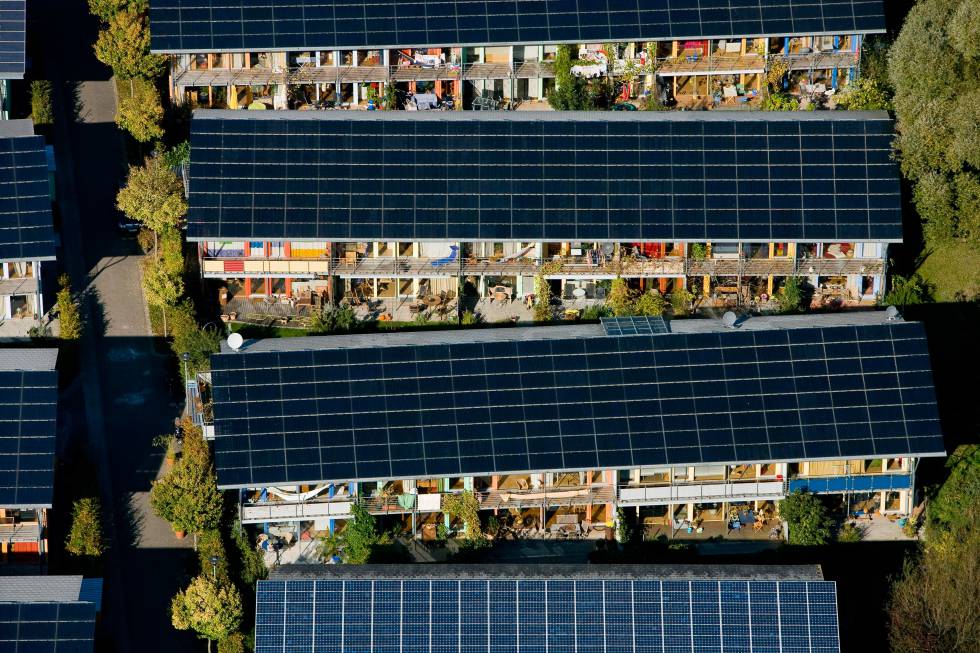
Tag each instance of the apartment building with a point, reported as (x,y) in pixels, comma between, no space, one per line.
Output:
(546,608)
(28,405)
(684,423)
(310,55)
(297,209)
(26,227)
(49,613)
(12,46)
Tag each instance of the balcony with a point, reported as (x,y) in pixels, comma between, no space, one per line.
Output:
(298,268)
(701,492)
(547,497)
(782,267)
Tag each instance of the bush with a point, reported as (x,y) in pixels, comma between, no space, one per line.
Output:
(210,544)
(178,155)
(69,311)
(620,298)
(251,564)
(650,304)
(596,312)
(191,338)
(791,296)
(42,111)
(850,532)
(542,305)
(779,102)
(340,319)
(807,518)
(85,537)
(906,291)
(470,318)
(864,94)
(680,302)
(234,643)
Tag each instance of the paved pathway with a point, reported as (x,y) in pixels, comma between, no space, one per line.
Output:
(125,379)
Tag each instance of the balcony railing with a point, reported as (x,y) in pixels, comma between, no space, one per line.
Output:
(705,491)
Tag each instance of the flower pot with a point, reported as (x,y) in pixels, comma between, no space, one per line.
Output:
(180,534)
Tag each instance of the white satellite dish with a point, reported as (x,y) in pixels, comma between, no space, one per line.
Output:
(729,319)
(892,314)
(235,341)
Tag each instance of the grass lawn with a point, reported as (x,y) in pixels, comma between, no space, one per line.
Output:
(953,271)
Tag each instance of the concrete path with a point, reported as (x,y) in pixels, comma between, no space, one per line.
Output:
(127,395)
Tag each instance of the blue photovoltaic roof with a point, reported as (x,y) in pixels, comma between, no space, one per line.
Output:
(13,14)
(47,627)
(568,398)
(28,408)
(524,176)
(215,25)
(543,615)
(26,226)
(632,325)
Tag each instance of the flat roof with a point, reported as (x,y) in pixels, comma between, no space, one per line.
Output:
(46,613)
(355,176)
(40,589)
(13,21)
(26,225)
(239,25)
(551,399)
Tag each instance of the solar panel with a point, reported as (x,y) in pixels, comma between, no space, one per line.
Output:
(633,326)
(560,176)
(13,16)
(47,627)
(26,227)
(420,615)
(512,402)
(28,406)
(213,25)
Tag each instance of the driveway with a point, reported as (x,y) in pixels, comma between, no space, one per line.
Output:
(124,376)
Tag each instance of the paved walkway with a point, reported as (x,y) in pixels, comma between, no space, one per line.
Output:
(126,394)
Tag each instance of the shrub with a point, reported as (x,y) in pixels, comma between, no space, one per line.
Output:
(864,94)
(340,319)
(188,495)
(42,111)
(85,537)
(906,291)
(850,533)
(233,643)
(189,337)
(698,251)
(650,304)
(791,296)
(809,523)
(178,155)
(620,298)
(779,102)
(596,312)
(470,318)
(251,564)
(210,544)
(542,306)
(680,302)
(69,311)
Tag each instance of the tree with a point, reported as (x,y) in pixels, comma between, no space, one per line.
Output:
(465,507)
(141,114)
(793,296)
(124,46)
(234,643)
(809,523)
(864,94)
(210,608)
(357,542)
(188,495)
(251,565)
(161,287)
(935,71)
(191,338)
(906,291)
(42,112)
(106,9)
(211,546)
(69,312)
(680,302)
(958,499)
(542,305)
(85,537)
(570,92)
(650,304)
(620,298)
(779,102)
(154,197)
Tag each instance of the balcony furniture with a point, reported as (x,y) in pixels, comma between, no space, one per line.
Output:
(432,300)
(579,293)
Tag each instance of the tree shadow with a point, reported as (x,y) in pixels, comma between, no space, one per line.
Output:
(91,301)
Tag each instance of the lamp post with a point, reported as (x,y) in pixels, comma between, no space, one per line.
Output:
(186,356)
(214,571)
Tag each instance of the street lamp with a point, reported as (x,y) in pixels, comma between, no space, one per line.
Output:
(214,566)
(186,356)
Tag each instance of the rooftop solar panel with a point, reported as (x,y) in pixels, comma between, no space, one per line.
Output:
(13,17)
(523,404)
(26,227)
(421,615)
(633,326)
(47,627)
(561,176)
(220,25)
(28,406)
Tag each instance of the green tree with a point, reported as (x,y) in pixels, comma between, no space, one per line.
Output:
(906,291)
(357,542)
(191,338)
(233,643)
(620,298)
(106,9)
(210,545)
(140,113)
(570,92)
(42,111)
(124,45)
(161,287)
(779,102)
(864,94)
(792,297)
(251,566)
(542,300)
(188,495)
(154,197)
(807,519)
(210,608)
(85,537)
(650,304)
(69,311)
(958,499)
(935,71)
(680,302)
(466,508)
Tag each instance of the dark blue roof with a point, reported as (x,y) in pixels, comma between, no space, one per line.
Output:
(13,14)
(520,400)
(545,615)
(211,25)
(26,227)
(47,627)
(559,176)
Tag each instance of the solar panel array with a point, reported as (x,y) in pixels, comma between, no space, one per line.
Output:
(523,178)
(13,18)
(209,25)
(26,227)
(546,616)
(508,406)
(634,325)
(28,408)
(47,627)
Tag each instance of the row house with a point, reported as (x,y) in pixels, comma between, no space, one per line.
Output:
(534,607)
(293,58)
(300,208)
(28,405)
(679,424)
(26,228)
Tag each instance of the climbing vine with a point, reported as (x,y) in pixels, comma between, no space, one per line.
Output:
(465,507)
